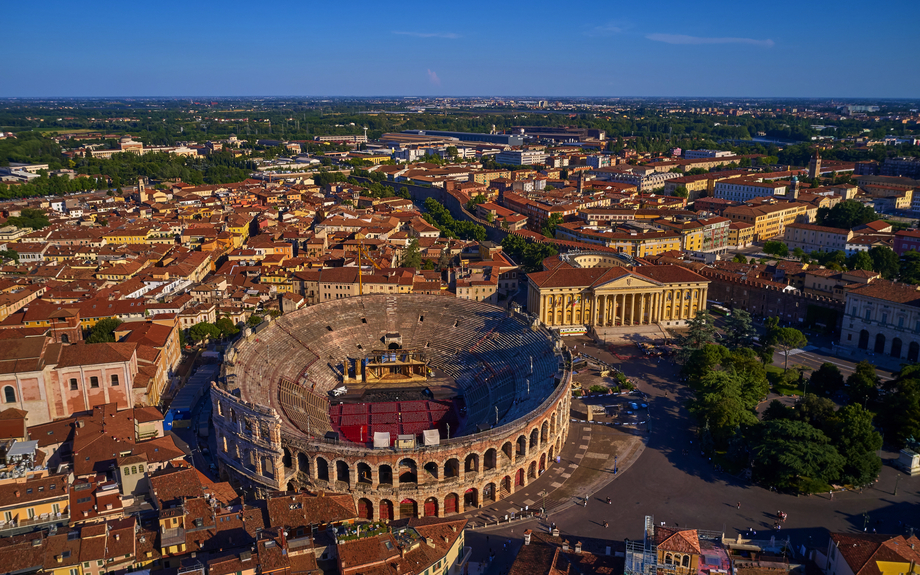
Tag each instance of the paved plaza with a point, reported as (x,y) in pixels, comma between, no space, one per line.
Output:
(672,481)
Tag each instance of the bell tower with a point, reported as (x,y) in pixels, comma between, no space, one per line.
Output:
(814,166)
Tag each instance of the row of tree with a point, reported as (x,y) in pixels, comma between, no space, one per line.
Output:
(802,448)
(438,216)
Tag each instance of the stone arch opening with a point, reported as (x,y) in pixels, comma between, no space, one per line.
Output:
(291,486)
(508,450)
(544,433)
(471,464)
(880,343)
(408,472)
(385,475)
(913,351)
(863,339)
(532,470)
(287,460)
(431,507)
(471,498)
(408,508)
(431,470)
(322,469)
(534,439)
(896,345)
(551,453)
(542,466)
(506,486)
(365,509)
(519,477)
(489,493)
(452,468)
(386,509)
(303,463)
(364,473)
(451,503)
(491,459)
(342,472)
(521,446)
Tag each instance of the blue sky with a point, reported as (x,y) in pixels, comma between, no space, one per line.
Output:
(661,48)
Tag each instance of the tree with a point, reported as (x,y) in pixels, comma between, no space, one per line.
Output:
(739,330)
(858,442)
(202,331)
(814,410)
(412,256)
(901,408)
(701,331)
(860,261)
(846,215)
(452,152)
(549,227)
(778,249)
(826,380)
(885,262)
(703,361)
(254,320)
(29,218)
(227,327)
(103,331)
(680,192)
(740,259)
(721,403)
(776,410)
(535,253)
(910,267)
(9,255)
(862,385)
(787,339)
(798,253)
(788,451)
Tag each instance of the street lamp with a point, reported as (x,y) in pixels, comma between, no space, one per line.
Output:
(896,481)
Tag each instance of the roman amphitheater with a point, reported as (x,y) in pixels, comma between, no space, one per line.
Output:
(417,405)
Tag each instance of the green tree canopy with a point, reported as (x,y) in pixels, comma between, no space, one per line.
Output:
(412,256)
(885,262)
(858,442)
(846,215)
(901,408)
(103,331)
(787,451)
(739,330)
(549,227)
(862,385)
(740,259)
(778,249)
(701,331)
(860,261)
(29,218)
(826,380)
(787,339)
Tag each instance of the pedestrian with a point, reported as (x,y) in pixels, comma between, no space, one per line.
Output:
(739,505)
(605,525)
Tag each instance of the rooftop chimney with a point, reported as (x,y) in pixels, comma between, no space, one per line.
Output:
(578,547)
(527,535)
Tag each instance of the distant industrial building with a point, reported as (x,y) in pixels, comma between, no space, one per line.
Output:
(506,139)
(700,154)
(521,157)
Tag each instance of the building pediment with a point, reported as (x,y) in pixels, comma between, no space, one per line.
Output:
(626,282)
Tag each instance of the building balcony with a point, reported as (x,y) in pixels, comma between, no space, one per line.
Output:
(43,520)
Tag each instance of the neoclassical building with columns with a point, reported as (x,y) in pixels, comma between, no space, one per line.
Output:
(611,294)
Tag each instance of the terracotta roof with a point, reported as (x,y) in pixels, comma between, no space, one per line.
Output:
(678,540)
(863,552)
(890,291)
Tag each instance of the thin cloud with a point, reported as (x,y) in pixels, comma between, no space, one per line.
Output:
(433,78)
(697,40)
(447,35)
(608,29)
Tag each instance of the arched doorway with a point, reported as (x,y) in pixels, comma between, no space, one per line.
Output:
(519,477)
(291,486)
(386,509)
(385,475)
(506,485)
(491,459)
(542,463)
(408,508)
(471,498)
(913,351)
(534,439)
(365,509)
(431,471)
(489,493)
(450,503)
(471,465)
(880,343)
(452,468)
(532,470)
(303,463)
(287,460)
(544,433)
(863,340)
(431,507)
(407,471)
(896,347)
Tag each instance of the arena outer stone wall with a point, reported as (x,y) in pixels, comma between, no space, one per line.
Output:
(260,453)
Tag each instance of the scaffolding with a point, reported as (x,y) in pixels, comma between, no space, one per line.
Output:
(642,556)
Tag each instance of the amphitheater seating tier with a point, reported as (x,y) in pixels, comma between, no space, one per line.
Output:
(484,350)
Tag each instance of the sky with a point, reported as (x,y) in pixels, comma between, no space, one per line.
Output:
(802,48)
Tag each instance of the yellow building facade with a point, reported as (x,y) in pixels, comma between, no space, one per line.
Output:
(616,296)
